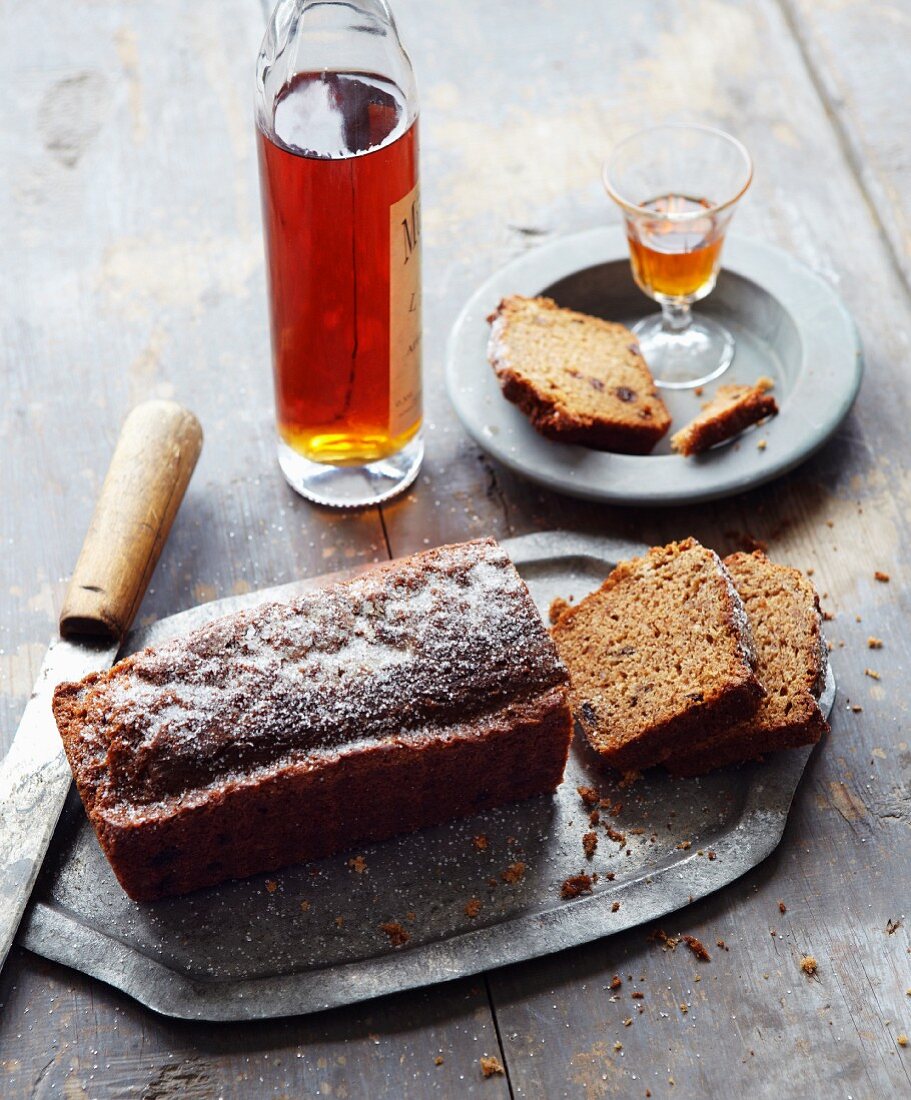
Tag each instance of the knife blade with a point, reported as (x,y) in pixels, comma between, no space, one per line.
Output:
(153,461)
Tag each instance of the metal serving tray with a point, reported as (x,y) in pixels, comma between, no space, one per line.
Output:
(309,937)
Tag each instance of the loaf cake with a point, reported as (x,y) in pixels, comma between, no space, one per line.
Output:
(659,656)
(733,408)
(784,615)
(577,378)
(422,690)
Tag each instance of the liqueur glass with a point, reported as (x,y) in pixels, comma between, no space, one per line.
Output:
(677,187)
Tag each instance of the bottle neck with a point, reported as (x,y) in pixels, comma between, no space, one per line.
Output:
(375,9)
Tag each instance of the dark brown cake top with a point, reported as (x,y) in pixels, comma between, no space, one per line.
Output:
(416,646)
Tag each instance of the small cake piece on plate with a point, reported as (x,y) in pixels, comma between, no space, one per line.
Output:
(783,609)
(733,408)
(419,691)
(659,655)
(579,379)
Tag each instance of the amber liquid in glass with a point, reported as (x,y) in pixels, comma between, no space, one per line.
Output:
(675,259)
(340,210)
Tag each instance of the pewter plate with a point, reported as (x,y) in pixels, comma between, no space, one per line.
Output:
(309,938)
(789,324)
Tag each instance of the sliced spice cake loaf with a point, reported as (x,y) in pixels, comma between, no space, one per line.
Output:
(577,378)
(731,410)
(786,623)
(422,690)
(660,655)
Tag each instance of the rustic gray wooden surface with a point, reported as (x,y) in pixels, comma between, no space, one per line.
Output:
(132,267)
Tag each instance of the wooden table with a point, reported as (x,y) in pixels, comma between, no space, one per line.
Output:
(132,267)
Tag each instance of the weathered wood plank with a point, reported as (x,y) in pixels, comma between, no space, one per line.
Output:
(519,150)
(109,265)
(858,54)
(132,268)
(67,1036)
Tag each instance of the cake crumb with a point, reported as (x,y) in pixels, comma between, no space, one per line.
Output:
(629,778)
(902,1040)
(438,1061)
(472,907)
(594,818)
(697,947)
(589,844)
(856,708)
(358,864)
(637,994)
(615,809)
(514,873)
(809,965)
(616,981)
(339,922)
(872,673)
(615,835)
(576,885)
(480,842)
(628,1022)
(305,906)
(491,1065)
(398,937)
(588,795)
(874,643)
(711,854)
(618,1045)
(615,905)
(557,608)
(882,577)
(684,845)
(722,945)
(782,908)
(660,936)
(271,885)
(761,444)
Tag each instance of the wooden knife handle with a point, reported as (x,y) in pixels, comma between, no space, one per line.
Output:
(155,456)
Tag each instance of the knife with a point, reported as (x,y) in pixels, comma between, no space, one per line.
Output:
(145,483)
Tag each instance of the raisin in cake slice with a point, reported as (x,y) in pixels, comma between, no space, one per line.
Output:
(786,623)
(579,379)
(658,656)
(731,410)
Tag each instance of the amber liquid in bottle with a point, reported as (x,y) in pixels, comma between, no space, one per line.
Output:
(342,228)
(675,259)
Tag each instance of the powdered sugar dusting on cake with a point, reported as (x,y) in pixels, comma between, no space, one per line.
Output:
(427,642)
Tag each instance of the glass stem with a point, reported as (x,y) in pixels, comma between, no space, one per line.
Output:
(676,316)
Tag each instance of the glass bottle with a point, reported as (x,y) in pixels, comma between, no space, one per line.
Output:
(336,120)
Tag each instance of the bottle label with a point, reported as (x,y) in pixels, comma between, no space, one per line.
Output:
(404,312)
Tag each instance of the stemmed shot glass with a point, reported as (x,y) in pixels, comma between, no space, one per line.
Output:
(678,187)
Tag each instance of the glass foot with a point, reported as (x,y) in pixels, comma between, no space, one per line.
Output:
(683,358)
(352,486)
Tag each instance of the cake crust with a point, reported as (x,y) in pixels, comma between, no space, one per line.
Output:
(579,379)
(421,690)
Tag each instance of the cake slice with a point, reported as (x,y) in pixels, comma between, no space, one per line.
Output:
(422,690)
(733,408)
(659,656)
(783,609)
(577,378)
